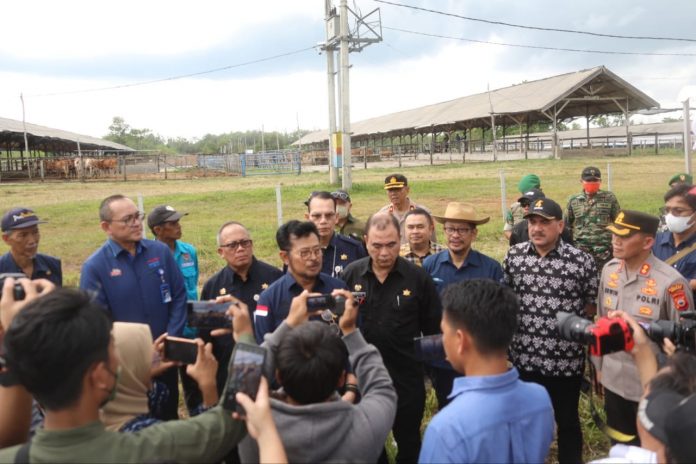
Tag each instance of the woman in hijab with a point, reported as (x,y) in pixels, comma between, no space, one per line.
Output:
(138,399)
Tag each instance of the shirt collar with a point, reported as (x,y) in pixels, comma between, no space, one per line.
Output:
(667,237)
(289,281)
(558,249)
(117,249)
(472,259)
(233,276)
(470,383)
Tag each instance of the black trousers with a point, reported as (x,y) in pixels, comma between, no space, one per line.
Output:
(170,410)
(565,394)
(621,415)
(410,388)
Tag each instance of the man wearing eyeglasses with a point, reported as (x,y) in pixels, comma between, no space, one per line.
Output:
(301,252)
(458,262)
(401,303)
(163,222)
(338,250)
(137,280)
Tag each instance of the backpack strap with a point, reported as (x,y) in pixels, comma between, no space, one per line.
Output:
(677,256)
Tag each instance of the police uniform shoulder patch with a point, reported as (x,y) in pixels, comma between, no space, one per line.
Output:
(678,295)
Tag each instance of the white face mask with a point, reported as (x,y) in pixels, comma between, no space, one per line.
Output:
(678,224)
(342,211)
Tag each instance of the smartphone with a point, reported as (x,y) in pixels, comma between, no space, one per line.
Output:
(245,371)
(208,315)
(183,350)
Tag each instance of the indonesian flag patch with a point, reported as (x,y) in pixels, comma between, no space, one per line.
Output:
(261,310)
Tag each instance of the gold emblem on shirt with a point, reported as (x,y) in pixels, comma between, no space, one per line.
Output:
(264,286)
(357,287)
(223,291)
(344,257)
(407,292)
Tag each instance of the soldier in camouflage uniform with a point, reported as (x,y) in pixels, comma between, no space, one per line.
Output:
(516,212)
(589,213)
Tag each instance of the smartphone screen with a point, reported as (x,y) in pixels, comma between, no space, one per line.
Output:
(180,349)
(208,315)
(246,369)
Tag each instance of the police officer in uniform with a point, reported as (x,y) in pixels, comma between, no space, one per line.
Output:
(589,213)
(338,250)
(648,289)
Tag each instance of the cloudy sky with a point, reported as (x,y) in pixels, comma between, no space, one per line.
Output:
(76,62)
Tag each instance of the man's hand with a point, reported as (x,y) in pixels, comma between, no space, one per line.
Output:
(204,372)
(298,309)
(159,366)
(239,313)
(257,413)
(33,289)
(348,321)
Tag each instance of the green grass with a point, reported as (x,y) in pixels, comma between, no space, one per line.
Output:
(73,232)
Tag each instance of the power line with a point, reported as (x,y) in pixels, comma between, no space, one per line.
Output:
(537,28)
(181,76)
(538,47)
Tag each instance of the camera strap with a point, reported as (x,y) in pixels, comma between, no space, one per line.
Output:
(611,432)
(677,256)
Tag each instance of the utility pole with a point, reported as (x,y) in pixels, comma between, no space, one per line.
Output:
(368,30)
(331,29)
(263,147)
(687,138)
(344,120)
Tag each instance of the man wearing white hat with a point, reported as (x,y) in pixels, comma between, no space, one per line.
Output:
(458,262)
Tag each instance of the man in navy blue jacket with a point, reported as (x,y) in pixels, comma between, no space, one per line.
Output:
(137,280)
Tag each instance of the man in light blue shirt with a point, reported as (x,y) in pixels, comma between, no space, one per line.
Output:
(493,416)
(163,221)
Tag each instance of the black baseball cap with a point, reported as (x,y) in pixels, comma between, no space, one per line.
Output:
(161,214)
(546,208)
(531,195)
(591,173)
(654,409)
(395,181)
(680,430)
(19,218)
(629,222)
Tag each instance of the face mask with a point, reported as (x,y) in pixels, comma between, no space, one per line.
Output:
(591,187)
(342,211)
(112,392)
(678,224)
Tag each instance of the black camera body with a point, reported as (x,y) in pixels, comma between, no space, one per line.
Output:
(607,335)
(682,333)
(17,291)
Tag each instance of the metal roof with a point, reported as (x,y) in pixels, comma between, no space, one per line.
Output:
(48,139)
(575,93)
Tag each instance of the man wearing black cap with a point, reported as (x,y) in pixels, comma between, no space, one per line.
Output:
(20,231)
(347,224)
(520,231)
(589,213)
(338,251)
(163,221)
(549,276)
(647,289)
(397,189)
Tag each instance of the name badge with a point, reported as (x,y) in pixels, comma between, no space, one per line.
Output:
(166,293)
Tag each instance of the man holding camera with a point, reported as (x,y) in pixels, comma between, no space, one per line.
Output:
(20,231)
(309,361)
(646,288)
(401,304)
(549,276)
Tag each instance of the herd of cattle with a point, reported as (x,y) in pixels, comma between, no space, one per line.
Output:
(81,167)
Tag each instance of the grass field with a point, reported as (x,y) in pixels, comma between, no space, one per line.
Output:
(73,232)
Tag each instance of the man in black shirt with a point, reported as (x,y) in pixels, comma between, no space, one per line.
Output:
(401,303)
(520,231)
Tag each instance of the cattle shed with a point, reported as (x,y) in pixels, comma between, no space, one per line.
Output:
(585,93)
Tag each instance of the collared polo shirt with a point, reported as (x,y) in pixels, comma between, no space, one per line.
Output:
(227,282)
(475,266)
(45,267)
(664,248)
(563,280)
(395,312)
(274,302)
(146,288)
(496,418)
(406,253)
(186,258)
(340,252)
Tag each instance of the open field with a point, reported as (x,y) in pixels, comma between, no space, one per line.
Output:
(73,231)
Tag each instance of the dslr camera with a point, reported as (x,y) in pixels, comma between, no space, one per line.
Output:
(17,291)
(607,335)
(682,333)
